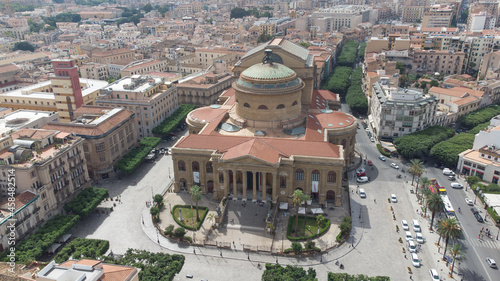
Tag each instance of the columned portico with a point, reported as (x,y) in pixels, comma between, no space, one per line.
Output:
(235,185)
(245,183)
(254,198)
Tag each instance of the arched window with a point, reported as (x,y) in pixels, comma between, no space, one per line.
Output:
(246,105)
(262,107)
(195,166)
(299,174)
(332,177)
(209,168)
(280,106)
(294,103)
(315,175)
(181,165)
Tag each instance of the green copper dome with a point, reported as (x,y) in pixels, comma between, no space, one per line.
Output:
(266,71)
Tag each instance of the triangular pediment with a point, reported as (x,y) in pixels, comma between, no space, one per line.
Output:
(248,160)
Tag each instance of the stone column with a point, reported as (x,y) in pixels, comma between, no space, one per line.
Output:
(275,189)
(235,188)
(244,186)
(203,179)
(226,182)
(254,186)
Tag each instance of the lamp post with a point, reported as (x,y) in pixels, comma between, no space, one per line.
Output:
(477,190)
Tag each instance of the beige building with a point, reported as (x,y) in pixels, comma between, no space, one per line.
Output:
(148,96)
(457,101)
(48,163)
(95,71)
(412,13)
(262,142)
(203,89)
(437,16)
(143,67)
(108,133)
(445,62)
(115,55)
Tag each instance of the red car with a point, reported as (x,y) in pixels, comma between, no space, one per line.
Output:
(370,163)
(362,174)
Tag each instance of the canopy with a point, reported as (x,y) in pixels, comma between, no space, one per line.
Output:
(64,238)
(317,211)
(53,248)
(302,211)
(283,206)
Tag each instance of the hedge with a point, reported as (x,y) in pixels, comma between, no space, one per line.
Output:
(86,202)
(171,122)
(153,266)
(360,277)
(202,218)
(276,272)
(292,225)
(81,248)
(35,245)
(134,158)
(479,116)
(382,150)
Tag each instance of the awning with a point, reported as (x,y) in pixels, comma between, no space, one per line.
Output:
(317,211)
(64,238)
(283,206)
(389,146)
(62,135)
(54,248)
(302,211)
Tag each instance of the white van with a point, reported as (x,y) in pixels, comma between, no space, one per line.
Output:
(416,225)
(414,260)
(362,193)
(411,246)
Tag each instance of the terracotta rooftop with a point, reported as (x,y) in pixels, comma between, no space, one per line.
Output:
(9,68)
(458,92)
(466,100)
(111,272)
(267,149)
(20,200)
(32,134)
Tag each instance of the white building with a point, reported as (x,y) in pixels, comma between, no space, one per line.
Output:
(480,21)
(483,160)
(397,112)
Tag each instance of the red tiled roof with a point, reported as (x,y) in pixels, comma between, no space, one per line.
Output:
(456,91)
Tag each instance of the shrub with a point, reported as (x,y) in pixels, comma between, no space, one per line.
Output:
(180,232)
(310,245)
(134,158)
(86,202)
(82,248)
(171,122)
(169,230)
(296,247)
(382,150)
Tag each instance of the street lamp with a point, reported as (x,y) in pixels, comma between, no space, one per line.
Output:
(477,190)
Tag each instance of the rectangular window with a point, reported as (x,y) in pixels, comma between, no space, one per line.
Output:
(282,182)
(99,147)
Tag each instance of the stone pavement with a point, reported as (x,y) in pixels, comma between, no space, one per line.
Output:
(244,225)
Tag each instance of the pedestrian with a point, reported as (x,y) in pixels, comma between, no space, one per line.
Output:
(406,257)
(221,254)
(194,251)
(479,236)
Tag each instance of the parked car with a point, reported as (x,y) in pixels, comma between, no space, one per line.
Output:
(370,163)
(405,225)
(491,262)
(169,151)
(372,139)
(469,202)
(362,193)
(419,238)
(408,236)
(361,174)
(394,165)
(474,210)
(479,218)
(416,225)
(394,199)
(414,260)
(456,185)
(360,170)
(362,179)
(448,172)
(163,150)
(381,157)
(452,178)
(434,275)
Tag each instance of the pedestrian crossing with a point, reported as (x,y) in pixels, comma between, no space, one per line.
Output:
(484,242)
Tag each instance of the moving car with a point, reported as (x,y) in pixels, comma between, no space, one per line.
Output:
(408,236)
(434,275)
(362,174)
(372,139)
(163,150)
(416,225)
(394,165)
(362,179)
(360,170)
(370,163)
(381,157)
(411,246)
(479,218)
(469,202)
(362,193)
(448,172)
(169,151)
(414,260)
(474,210)
(394,199)
(451,178)
(456,185)
(419,238)
(405,225)
(491,262)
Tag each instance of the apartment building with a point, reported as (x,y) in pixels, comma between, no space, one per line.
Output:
(411,14)
(481,20)
(95,71)
(489,66)
(457,101)
(397,112)
(348,16)
(147,96)
(444,62)
(480,46)
(483,160)
(392,42)
(203,89)
(437,16)
(108,133)
(115,55)
(48,163)
(143,67)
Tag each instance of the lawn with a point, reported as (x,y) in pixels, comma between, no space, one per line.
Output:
(309,231)
(189,216)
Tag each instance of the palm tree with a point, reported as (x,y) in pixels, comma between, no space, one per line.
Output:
(195,192)
(426,193)
(424,182)
(305,198)
(297,201)
(417,169)
(449,229)
(457,253)
(435,204)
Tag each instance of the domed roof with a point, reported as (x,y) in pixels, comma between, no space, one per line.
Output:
(266,71)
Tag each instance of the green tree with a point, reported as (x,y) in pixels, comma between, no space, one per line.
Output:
(417,169)
(297,202)
(195,192)
(296,247)
(447,151)
(449,228)
(435,204)
(264,37)
(158,199)
(419,144)
(305,198)
(153,266)
(147,8)
(321,220)
(23,46)
(275,272)
(401,67)
(424,183)
(457,253)
(238,13)
(472,180)
(304,44)
(434,83)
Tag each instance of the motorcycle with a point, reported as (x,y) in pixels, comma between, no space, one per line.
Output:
(398,176)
